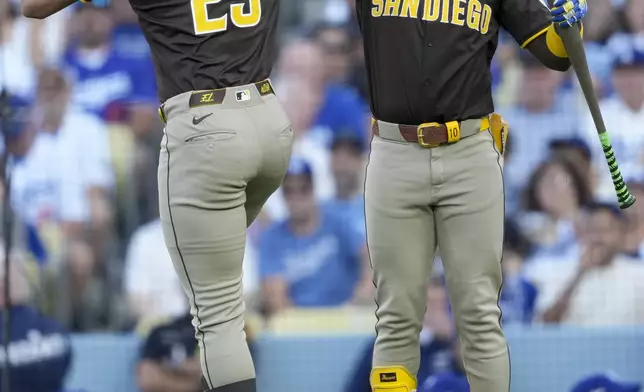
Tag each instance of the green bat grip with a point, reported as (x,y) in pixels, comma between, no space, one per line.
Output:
(624,196)
(574,45)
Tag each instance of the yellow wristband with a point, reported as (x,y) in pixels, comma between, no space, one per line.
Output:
(85,1)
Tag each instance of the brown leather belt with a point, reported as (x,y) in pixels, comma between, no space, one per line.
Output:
(432,134)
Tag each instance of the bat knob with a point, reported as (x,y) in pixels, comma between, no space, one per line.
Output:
(630,200)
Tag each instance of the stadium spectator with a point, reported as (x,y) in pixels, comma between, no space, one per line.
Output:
(601,21)
(336,12)
(151,285)
(47,39)
(553,198)
(634,12)
(531,120)
(340,109)
(454,380)
(318,110)
(634,231)
(128,38)
(169,359)
(506,72)
(19,73)
(78,133)
(18,131)
(519,295)
(131,46)
(356,73)
(600,288)
(61,186)
(301,104)
(352,6)
(358,78)
(577,152)
(40,351)
(301,60)
(115,87)
(311,259)
(437,342)
(347,166)
(335,42)
(624,112)
(513,200)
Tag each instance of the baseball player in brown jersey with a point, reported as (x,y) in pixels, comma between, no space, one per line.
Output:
(434,178)
(225,149)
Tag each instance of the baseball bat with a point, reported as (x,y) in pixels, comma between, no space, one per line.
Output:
(574,45)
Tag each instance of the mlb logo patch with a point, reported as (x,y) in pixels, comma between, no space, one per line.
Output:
(243,95)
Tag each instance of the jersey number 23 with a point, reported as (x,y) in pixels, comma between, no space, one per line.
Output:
(205,25)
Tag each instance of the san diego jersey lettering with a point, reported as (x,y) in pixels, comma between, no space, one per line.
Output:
(429,60)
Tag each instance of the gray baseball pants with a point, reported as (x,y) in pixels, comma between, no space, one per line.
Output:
(450,197)
(223,153)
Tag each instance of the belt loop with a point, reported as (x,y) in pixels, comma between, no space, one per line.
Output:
(485,123)
(162,114)
(264,87)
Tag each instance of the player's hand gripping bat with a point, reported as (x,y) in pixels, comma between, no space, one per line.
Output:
(571,38)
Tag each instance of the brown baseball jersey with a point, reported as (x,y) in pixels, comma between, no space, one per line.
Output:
(429,60)
(209,44)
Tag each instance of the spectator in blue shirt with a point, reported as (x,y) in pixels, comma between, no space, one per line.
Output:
(347,167)
(40,351)
(107,83)
(446,382)
(312,259)
(128,39)
(535,120)
(519,295)
(341,110)
(453,380)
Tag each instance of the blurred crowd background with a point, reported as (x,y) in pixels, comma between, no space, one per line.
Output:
(88,250)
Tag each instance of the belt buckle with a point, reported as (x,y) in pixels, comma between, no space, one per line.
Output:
(421,135)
